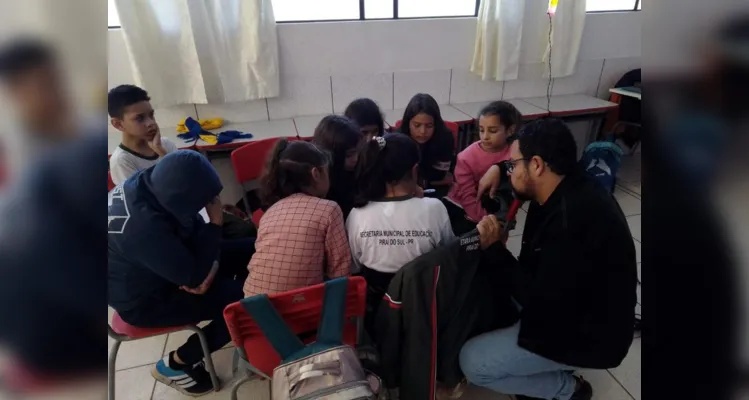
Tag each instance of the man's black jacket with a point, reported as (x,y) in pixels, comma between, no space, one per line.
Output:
(434,304)
(577,277)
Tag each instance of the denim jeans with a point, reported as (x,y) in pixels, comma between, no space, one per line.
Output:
(495,361)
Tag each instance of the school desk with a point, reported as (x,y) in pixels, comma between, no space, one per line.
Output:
(527,110)
(258,129)
(577,107)
(449,113)
(305,125)
(617,94)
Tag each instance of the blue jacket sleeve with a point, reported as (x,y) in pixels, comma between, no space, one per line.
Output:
(169,257)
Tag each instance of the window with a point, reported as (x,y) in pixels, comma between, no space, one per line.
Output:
(332,10)
(112,17)
(613,5)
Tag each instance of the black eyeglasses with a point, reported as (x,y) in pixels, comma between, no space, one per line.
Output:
(510,164)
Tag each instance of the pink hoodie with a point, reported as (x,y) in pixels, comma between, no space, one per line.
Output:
(473,162)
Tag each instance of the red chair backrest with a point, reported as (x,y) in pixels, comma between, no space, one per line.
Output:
(301,309)
(110,182)
(452,126)
(248,161)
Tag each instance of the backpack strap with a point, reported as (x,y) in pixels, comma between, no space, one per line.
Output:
(275,329)
(333,312)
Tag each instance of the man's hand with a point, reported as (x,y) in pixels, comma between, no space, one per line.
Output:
(203,287)
(155,145)
(490,182)
(215,211)
(490,231)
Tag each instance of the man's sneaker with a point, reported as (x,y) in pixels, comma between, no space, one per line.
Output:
(584,391)
(192,380)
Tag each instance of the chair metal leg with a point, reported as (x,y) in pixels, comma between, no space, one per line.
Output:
(207,353)
(112,368)
(235,389)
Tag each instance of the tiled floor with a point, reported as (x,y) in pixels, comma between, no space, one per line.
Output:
(135,359)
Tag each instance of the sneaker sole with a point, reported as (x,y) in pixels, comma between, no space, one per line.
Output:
(168,382)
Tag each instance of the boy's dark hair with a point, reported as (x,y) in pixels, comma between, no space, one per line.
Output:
(550,139)
(23,54)
(123,96)
(337,135)
(424,103)
(381,165)
(507,113)
(366,112)
(288,169)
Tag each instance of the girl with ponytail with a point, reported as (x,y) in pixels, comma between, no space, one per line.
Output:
(391,223)
(301,238)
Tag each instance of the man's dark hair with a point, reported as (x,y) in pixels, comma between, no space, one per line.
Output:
(550,139)
(21,55)
(123,96)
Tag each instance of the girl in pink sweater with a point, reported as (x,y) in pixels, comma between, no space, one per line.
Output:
(497,121)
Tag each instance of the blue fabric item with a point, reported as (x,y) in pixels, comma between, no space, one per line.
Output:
(169,372)
(157,240)
(194,130)
(228,136)
(283,340)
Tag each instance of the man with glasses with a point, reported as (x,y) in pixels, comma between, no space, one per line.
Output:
(574,281)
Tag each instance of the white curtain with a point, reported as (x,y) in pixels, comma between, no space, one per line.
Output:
(567,25)
(197,51)
(496,53)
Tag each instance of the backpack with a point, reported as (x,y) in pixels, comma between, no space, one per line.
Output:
(326,369)
(602,160)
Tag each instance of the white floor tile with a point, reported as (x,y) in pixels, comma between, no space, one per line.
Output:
(638,250)
(629,373)
(134,384)
(635,226)
(139,352)
(632,186)
(255,390)
(630,205)
(513,244)
(478,393)
(519,223)
(605,387)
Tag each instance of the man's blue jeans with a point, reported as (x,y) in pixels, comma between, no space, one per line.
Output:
(495,361)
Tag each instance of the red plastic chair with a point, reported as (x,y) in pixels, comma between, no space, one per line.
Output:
(301,309)
(121,331)
(110,182)
(248,162)
(452,126)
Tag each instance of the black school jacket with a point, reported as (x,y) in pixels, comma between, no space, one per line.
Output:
(433,305)
(577,277)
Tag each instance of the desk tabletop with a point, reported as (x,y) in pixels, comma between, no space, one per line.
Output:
(526,109)
(572,104)
(305,125)
(449,113)
(259,130)
(624,92)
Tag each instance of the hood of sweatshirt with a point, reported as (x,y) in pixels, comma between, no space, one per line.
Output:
(182,183)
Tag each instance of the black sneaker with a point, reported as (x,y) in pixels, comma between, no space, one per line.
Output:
(584,391)
(191,380)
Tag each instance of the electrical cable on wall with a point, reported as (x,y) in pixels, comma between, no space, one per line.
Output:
(550,12)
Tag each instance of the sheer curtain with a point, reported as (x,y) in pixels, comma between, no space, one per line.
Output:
(496,53)
(187,51)
(567,24)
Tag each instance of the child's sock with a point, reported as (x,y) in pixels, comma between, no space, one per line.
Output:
(173,364)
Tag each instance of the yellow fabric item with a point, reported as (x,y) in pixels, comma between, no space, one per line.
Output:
(207,124)
(211,139)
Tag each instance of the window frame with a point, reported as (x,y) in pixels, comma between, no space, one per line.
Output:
(637,4)
(362,16)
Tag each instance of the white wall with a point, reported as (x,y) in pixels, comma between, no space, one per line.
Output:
(326,65)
